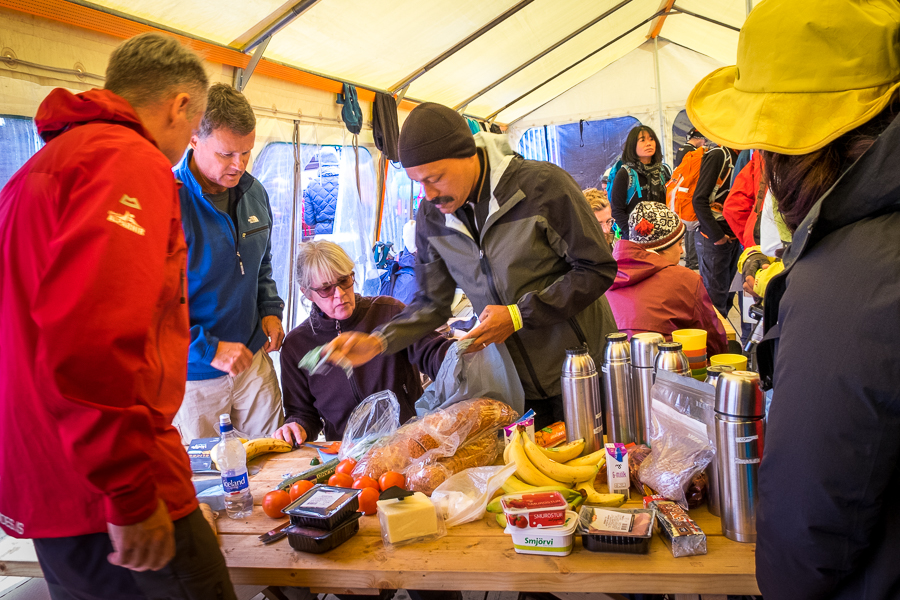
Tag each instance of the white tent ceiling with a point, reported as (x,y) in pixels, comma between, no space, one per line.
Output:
(536,51)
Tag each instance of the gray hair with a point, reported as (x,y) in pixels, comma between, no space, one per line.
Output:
(151,67)
(320,261)
(226,107)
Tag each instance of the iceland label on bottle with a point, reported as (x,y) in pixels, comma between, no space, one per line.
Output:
(235,483)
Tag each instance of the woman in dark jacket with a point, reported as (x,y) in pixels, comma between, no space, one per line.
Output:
(311,403)
(641,178)
(822,109)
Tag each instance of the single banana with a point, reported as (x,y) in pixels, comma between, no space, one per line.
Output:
(594,458)
(524,467)
(565,452)
(554,470)
(506,450)
(514,485)
(261,446)
(501,520)
(595,498)
(214,453)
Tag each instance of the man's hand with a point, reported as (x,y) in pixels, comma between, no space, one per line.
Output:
(725,239)
(232,357)
(496,325)
(148,545)
(291,432)
(271,326)
(358,348)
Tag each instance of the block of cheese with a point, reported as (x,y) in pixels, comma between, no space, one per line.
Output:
(407,519)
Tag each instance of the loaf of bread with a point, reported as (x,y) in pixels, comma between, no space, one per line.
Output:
(479,452)
(436,435)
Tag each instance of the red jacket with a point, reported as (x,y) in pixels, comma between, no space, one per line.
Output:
(651,294)
(745,201)
(94,327)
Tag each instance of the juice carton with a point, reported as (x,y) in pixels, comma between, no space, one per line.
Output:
(617,469)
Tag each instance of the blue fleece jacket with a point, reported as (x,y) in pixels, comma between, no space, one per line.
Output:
(230,285)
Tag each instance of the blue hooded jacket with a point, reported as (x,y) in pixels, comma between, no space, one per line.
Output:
(230,285)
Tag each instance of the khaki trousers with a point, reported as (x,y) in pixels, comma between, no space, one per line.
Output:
(252,398)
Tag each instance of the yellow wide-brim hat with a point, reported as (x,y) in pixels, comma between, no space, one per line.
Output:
(808,71)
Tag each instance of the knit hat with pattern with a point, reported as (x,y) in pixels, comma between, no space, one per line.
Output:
(652,226)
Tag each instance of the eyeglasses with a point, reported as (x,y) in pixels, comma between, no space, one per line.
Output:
(327,291)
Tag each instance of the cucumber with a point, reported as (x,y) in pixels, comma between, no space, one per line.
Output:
(318,473)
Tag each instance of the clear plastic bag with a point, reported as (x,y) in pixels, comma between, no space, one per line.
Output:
(681,444)
(489,373)
(464,497)
(376,417)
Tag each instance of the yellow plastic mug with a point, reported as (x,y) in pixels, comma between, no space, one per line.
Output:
(738,361)
(690,339)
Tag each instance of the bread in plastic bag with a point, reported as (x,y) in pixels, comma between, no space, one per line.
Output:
(680,444)
(478,452)
(376,417)
(464,497)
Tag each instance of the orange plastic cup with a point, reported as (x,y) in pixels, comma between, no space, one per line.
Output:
(738,361)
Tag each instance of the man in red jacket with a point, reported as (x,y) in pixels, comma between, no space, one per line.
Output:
(94,338)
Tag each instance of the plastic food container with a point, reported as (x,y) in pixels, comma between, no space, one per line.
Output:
(613,542)
(323,507)
(317,541)
(552,541)
(532,510)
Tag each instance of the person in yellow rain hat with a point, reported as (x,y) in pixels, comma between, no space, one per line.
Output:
(815,87)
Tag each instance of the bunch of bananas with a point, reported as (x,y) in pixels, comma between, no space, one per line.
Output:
(538,467)
(254,448)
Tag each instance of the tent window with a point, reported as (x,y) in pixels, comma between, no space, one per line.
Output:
(324,170)
(586,150)
(680,129)
(20,140)
(401,202)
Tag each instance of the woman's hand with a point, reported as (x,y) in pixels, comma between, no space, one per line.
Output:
(292,433)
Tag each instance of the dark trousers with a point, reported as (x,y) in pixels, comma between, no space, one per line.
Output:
(546,411)
(718,264)
(76,568)
(690,250)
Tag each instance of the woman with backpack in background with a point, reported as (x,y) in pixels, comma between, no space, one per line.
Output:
(641,177)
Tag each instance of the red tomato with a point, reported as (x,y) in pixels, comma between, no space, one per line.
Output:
(340,480)
(274,501)
(300,488)
(391,479)
(346,466)
(367,499)
(364,482)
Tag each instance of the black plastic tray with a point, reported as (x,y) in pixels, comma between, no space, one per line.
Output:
(318,541)
(322,518)
(615,543)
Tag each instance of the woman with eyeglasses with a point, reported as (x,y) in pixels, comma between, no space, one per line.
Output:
(313,403)
(602,210)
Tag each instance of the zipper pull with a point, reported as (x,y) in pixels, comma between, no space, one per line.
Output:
(182,287)
(482,254)
(240,262)
(337,326)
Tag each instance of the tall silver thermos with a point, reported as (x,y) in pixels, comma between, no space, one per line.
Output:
(643,356)
(712,471)
(619,400)
(582,403)
(740,435)
(671,358)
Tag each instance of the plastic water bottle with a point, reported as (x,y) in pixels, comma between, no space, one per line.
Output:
(233,465)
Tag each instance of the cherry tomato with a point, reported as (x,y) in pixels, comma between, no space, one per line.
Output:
(340,480)
(300,488)
(346,466)
(391,479)
(364,482)
(367,499)
(274,501)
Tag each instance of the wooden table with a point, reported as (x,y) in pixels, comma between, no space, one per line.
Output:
(474,556)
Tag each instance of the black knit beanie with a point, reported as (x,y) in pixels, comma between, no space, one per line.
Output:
(434,132)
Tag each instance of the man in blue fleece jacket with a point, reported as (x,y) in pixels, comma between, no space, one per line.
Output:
(235,310)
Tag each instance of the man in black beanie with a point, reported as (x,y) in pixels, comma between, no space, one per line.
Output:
(518,237)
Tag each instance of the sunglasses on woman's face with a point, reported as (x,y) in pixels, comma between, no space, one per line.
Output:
(327,291)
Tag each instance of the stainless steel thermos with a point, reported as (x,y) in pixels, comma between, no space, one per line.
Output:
(671,358)
(643,356)
(619,400)
(582,403)
(740,434)
(712,471)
